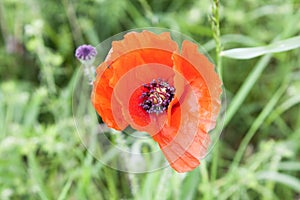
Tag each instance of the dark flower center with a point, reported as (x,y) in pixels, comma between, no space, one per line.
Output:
(157,96)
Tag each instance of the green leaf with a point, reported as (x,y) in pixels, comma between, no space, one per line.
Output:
(289,165)
(233,38)
(247,53)
(285,179)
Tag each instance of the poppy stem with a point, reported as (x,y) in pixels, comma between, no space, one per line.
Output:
(215,24)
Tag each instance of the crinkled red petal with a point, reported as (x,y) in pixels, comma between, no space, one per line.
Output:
(102,98)
(185,139)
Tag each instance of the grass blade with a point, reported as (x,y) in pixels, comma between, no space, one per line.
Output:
(276,47)
(256,124)
(65,190)
(285,179)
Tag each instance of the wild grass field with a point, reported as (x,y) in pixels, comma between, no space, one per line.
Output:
(255,47)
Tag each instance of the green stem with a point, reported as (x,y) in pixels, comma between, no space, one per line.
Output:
(214,164)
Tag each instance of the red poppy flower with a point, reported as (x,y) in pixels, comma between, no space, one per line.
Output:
(147,83)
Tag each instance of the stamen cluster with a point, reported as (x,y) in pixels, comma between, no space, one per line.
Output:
(158,96)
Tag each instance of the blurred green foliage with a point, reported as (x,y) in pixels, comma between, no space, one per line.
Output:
(41,157)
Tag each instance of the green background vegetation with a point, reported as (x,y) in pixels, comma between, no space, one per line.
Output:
(41,156)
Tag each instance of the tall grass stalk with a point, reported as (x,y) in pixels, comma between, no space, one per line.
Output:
(215,26)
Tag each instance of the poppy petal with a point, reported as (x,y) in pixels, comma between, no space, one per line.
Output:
(102,98)
(183,142)
(138,49)
(185,139)
(199,73)
(206,69)
(145,40)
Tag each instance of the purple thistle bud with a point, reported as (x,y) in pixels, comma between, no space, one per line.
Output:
(86,53)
